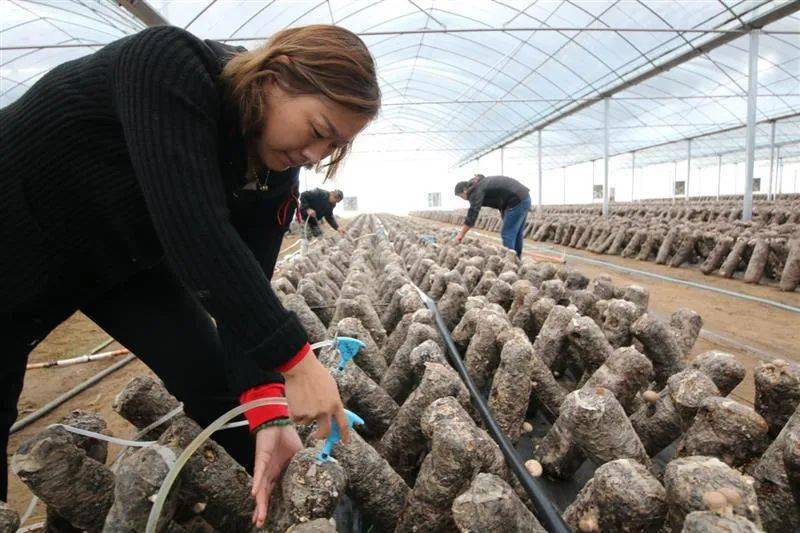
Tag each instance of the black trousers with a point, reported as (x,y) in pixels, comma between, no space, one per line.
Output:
(160,321)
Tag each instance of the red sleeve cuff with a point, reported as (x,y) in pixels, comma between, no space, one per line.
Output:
(265,413)
(291,363)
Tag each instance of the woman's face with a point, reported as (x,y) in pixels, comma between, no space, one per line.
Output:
(304,129)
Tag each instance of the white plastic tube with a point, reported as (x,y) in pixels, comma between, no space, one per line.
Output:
(172,475)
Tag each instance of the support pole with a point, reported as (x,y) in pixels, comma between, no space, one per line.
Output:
(564,185)
(502,161)
(780,172)
(606,104)
(688,168)
(719,174)
(633,174)
(539,159)
(674,179)
(752,90)
(770,191)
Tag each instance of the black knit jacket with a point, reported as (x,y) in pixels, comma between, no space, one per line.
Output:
(119,160)
(319,201)
(500,192)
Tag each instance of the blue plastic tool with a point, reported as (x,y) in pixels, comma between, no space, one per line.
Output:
(348,348)
(325,455)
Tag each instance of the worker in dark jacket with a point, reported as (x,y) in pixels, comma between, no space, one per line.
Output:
(507,195)
(166,218)
(316,205)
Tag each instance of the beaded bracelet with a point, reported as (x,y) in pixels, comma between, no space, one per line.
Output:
(277,422)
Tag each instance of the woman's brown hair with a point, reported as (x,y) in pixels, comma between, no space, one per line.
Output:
(317,59)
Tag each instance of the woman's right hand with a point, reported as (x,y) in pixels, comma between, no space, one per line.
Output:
(313,396)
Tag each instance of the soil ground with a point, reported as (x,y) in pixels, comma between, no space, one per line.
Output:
(76,336)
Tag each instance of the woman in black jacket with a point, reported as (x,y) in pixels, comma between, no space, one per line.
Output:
(144,184)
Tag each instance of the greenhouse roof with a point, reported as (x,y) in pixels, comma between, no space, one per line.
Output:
(462,79)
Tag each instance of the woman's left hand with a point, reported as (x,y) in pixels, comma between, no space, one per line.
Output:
(275,447)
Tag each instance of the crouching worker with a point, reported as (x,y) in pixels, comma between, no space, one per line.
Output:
(507,195)
(317,204)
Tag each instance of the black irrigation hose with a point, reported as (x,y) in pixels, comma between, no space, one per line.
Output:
(546,512)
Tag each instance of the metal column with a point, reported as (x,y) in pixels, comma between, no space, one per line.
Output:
(770,193)
(688,168)
(674,179)
(539,199)
(606,104)
(752,90)
(502,161)
(564,185)
(719,174)
(633,174)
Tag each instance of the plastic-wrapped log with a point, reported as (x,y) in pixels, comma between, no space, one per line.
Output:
(637,295)
(316,302)
(725,429)
(717,255)
(420,268)
(585,302)
(602,287)
(284,285)
(619,242)
(586,237)
(403,442)
(139,476)
(550,342)
(471,277)
(791,460)
(651,243)
(790,277)
(399,306)
(660,345)
(212,477)
(711,522)
(483,353)
(398,381)
(687,325)
(666,246)
(487,280)
(685,250)
(427,279)
(441,282)
(625,372)
(587,341)
(576,235)
(558,453)
(511,386)
(604,242)
(362,309)
(500,294)
(723,368)
(688,479)
(77,487)
(370,359)
(144,400)
(541,233)
(635,243)
(758,261)
(660,423)
(574,280)
(777,392)
(311,322)
(451,304)
(618,319)
(598,425)
(361,394)
(621,497)
(731,263)
(521,289)
(9,519)
(320,525)
(375,486)
(307,490)
(491,506)
(544,388)
(446,471)
(555,289)
(779,510)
